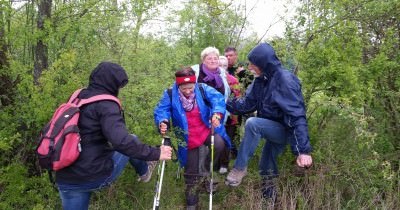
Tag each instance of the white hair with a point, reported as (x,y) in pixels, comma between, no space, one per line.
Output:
(208,51)
(223,59)
(223,62)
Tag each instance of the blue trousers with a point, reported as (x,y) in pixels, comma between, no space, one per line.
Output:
(276,138)
(77,196)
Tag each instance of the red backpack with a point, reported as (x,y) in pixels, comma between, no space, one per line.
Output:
(59,141)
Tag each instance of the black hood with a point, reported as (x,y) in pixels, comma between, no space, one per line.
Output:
(107,78)
(264,57)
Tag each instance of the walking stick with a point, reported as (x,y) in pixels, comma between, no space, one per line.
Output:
(212,166)
(156,204)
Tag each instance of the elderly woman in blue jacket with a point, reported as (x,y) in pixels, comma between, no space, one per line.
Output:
(191,106)
(281,118)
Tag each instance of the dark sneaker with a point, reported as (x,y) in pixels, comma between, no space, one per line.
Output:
(147,176)
(235,177)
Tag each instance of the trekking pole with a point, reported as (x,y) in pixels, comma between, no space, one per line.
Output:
(212,166)
(156,204)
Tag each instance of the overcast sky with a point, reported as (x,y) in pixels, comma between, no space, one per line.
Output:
(269,15)
(267,18)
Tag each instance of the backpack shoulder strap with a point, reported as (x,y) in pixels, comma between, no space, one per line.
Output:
(203,95)
(101,97)
(202,90)
(169,91)
(74,96)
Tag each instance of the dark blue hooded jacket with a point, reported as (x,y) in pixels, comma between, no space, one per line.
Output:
(103,130)
(275,95)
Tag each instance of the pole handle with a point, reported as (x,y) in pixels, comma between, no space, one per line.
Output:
(167,141)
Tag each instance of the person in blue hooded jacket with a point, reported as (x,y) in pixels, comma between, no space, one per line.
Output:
(275,94)
(193,108)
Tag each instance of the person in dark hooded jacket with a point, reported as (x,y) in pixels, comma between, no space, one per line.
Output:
(276,95)
(106,143)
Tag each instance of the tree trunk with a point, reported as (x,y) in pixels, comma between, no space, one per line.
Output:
(6,83)
(3,45)
(41,51)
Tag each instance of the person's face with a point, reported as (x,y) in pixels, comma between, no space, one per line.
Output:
(232,58)
(223,63)
(254,69)
(187,89)
(211,61)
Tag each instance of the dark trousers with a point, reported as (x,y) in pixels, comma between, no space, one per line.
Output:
(198,166)
(231,130)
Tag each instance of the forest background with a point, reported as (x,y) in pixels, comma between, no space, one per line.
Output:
(346,53)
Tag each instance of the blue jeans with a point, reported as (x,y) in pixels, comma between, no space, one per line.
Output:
(77,196)
(276,138)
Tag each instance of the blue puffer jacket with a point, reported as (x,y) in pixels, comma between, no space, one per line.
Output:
(166,110)
(275,95)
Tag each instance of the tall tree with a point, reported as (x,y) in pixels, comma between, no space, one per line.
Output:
(141,13)
(41,49)
(6,81)
(208,23)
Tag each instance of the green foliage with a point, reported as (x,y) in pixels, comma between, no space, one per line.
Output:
(348,66)
(9,136)
(384,99)
(331,65)
(208,23)
(20,191)
(345,52)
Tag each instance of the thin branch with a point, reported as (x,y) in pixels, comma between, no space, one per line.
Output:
(245,20)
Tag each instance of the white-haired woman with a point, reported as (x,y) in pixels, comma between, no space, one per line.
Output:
(209,72)
(232,123)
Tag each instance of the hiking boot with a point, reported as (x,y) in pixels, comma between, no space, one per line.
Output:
(235,177)
(223,170)
(151,165)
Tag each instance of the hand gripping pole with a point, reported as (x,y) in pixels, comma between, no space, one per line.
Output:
(156,204)
(212,167)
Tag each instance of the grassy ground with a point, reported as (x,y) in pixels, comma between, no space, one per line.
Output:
(321,187)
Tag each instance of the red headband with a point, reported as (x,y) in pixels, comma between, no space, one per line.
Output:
(185,79)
